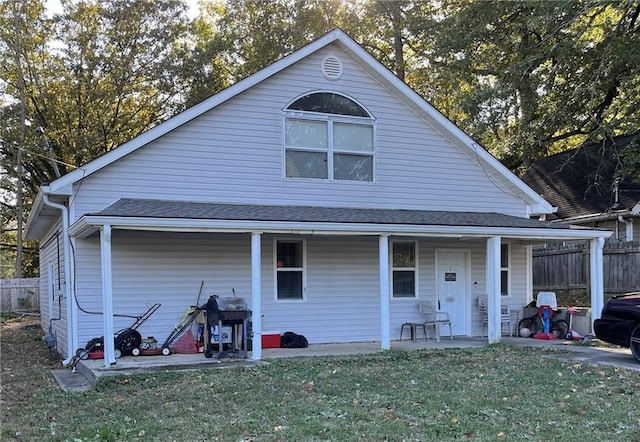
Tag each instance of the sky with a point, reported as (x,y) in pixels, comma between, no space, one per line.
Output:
(54,7)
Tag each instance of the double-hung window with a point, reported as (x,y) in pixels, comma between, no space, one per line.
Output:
(290,270)
(403,269)
(329,137)
(504,270)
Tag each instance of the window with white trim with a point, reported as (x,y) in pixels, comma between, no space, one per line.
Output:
(504,269)
(403,269)
(330,137)
(290,270)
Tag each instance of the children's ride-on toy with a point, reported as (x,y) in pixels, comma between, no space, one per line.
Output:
(573,335)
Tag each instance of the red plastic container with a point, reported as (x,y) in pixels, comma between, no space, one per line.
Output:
(270,339)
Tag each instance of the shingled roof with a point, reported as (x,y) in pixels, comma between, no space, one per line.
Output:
(580,182)
(146,208)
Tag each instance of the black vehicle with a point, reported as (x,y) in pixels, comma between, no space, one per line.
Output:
(620,322)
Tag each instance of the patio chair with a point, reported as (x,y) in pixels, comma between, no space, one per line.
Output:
(434,317)
(505,315)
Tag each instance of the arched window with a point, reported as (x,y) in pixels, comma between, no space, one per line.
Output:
(328,136)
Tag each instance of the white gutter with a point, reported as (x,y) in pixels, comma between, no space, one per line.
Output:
(604,216)
(67,290)
(89,224)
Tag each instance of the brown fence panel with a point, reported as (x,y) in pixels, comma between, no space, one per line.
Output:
(564,268)
(622,266)
(20,295)
(560,267)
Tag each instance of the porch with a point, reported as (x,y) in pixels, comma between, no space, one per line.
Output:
(337,264)
(92,370)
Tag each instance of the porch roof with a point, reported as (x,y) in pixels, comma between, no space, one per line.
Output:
(148,214)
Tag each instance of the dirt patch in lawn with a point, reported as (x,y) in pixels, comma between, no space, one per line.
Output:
(25,360)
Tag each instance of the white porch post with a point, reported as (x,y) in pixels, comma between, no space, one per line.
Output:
(597,277)
(256,296)
(383,252)
(493,289)
(107,295)
(529,264)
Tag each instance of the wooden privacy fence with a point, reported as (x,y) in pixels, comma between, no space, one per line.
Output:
(20,295)
(564,268)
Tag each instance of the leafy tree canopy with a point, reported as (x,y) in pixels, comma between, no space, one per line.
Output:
(525,79)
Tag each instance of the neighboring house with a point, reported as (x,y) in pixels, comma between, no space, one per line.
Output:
(322,189)
(582,184)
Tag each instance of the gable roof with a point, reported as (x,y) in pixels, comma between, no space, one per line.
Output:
(580,181)
(509,181)
(62,187)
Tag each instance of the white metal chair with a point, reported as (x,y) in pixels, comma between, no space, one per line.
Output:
(505,315)
(434,317)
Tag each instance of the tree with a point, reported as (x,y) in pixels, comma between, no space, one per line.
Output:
(94,77)
(259,33)
(23,28)
(533,78)
(115,75)
(204,57)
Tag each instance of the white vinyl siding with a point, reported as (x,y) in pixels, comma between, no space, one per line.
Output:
(168,268)
(342,282)
(223,156)
(52,253)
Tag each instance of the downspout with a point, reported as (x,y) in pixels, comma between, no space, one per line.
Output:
(628,228)
(67,289)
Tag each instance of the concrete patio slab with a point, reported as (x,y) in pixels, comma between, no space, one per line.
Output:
(90,370)
(70,381)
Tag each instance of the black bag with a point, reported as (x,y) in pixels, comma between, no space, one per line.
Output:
(293,340)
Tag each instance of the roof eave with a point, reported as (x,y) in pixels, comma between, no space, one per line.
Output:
(536,204)
(193,112)
(32,230)
(89,224)
(594,217)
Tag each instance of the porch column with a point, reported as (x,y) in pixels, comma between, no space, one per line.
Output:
(529,265)
(493,289)
(107,295)
(597,277)
(383,251)
(256,296)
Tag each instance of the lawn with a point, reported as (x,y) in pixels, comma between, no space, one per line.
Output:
(494,393)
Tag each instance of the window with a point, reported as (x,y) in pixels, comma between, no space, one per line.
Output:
(289,270)
(504,269)
(330,137)
(403,269)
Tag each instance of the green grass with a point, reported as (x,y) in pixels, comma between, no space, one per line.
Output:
(494,393)
(7,316)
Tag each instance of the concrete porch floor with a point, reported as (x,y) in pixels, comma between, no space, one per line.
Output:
(89,371)
(93,369)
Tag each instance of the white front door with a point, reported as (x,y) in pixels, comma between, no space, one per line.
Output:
(452,289)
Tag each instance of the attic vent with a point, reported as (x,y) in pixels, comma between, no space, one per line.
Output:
(331,67)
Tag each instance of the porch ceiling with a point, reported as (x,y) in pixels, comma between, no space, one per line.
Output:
(163,215)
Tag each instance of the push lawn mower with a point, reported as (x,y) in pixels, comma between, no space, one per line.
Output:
(165,350)
(184,323)
(124,342)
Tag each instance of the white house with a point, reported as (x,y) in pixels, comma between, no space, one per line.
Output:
(322,189)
